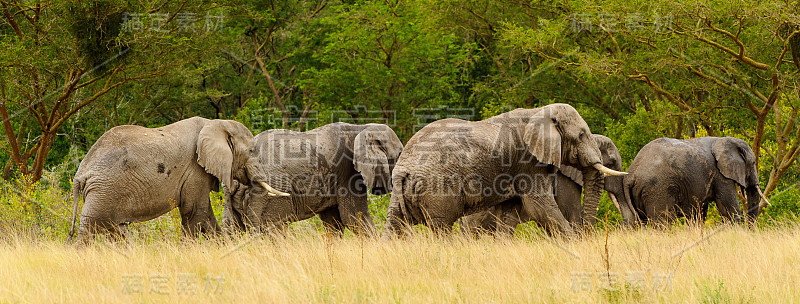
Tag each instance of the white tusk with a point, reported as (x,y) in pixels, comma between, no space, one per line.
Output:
(608,171)
(614,200)
(763,198)
(272,191)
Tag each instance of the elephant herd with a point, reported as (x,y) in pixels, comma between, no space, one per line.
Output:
(539,164)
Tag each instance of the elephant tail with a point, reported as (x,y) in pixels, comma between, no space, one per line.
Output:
(627,185)
(409,190)
(77,188)
(401,199)
(398,214)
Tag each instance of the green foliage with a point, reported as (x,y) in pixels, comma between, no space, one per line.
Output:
(607,214)
(41,214)
(785,207)
(378,206)
(622,293)
(635,131)
(652,72)
(716,292)
(95,26)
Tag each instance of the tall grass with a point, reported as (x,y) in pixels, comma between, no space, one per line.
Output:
(711,263)
(733,265)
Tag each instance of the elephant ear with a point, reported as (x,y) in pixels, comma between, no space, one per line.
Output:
(214,152)
(730,159)
(369,156)
(573,173)
(543,138)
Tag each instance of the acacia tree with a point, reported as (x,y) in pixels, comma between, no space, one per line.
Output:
(718,68)
(58,57)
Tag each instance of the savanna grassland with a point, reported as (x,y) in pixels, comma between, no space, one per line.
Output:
(635,70)
(734,265)
(714,263)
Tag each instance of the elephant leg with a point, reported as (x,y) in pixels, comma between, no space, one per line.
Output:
(513,216)
(396,224)
(354,213)
(92,225)
(124,232)
(441,226)
(659,205)
(543,209)
(332,221)
(440,213)
(508,224)
(271,215)
(197,216)
(482,222)
(84,235)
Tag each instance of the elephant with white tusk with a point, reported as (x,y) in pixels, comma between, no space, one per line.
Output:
(452,168)
(134,174)
(328,171)
(504,218)
(672,178)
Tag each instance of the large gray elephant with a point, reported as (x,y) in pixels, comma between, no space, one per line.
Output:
(671,178)
(452,167)
(504,218)
(328,171)
(134,174)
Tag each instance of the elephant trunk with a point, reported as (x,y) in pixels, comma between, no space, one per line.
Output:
(593,184)
(626,209)
(615,188)
(231,213)
(755,201)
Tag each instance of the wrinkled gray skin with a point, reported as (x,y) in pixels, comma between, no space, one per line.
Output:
(134,174)
(327,170)
(671,178)
(452,167)
(504,218)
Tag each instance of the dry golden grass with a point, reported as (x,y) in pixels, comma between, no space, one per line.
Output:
(734,264)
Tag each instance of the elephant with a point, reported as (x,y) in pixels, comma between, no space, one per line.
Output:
(134,174)
(504,218)
(328,171)
(452,167)
(671,178)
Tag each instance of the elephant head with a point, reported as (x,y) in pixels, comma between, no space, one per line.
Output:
(375,152)
(226,150)
(557,135)
(736,161)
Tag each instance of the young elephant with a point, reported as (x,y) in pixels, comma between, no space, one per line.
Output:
(452,167)
(328,171)
(504,218)
(134,174)
(670,178)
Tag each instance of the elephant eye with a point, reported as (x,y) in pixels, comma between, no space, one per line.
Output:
(555,122)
